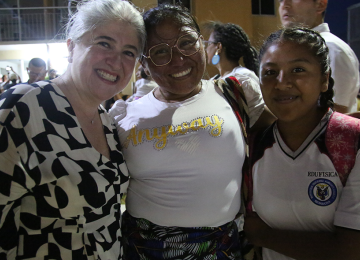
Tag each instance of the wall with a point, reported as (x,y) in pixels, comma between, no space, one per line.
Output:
(258,27)
(229,11)
(145,4)
(337,15)
(263,25)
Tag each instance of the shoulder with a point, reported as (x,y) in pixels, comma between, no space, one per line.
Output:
(242,72)
(261,141)
(248,80)
(337,46)
(11,97)
(342,138)
(22,96)
(118,110)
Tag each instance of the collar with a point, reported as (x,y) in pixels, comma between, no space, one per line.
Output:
(323,27)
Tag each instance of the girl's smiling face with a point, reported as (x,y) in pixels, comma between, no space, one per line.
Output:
(291,81)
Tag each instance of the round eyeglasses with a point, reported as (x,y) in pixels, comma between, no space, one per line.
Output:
(207,43)
(187,45)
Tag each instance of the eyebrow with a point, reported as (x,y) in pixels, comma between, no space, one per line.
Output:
(292,61)
(300,60)
(113,40)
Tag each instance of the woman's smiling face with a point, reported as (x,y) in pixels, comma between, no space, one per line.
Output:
(183,73)
(291,80)
(104,59)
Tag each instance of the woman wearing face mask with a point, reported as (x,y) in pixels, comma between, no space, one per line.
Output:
(62,173)
(184,148)
(305,167)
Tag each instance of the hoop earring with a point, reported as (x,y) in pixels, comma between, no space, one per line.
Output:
(216,58)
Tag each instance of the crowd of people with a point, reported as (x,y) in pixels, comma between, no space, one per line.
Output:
(266,142)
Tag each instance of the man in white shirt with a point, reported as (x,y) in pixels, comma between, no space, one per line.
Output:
(344,63)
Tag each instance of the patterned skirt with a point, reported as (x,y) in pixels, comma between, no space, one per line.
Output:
(147,241)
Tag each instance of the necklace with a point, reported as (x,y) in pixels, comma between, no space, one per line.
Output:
(93,118)
(196,91)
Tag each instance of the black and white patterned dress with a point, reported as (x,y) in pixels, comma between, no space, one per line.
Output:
(59,197)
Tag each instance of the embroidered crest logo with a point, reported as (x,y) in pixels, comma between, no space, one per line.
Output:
(322,192)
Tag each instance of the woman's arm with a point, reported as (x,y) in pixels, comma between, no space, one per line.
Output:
(342,244)
(11,190)
(265,120)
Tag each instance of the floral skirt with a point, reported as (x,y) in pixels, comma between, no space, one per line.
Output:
(147,241)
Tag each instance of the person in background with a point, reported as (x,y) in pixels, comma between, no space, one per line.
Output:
(62,172)
(4,79)
(305,208)
(344,63)
(12,81)
(143,85)
(52,74)
(184,148)
(227,44)
(36,70)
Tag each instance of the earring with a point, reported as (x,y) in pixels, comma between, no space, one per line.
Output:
(216,58)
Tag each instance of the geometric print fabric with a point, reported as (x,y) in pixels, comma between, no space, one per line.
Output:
(59,197)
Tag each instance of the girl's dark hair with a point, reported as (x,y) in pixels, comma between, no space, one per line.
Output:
(236,42)
(176,13)
(316,44)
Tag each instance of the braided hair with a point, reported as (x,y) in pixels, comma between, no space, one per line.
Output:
(316,44)
(236,42)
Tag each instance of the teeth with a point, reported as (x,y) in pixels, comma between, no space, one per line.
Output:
(106,76)
(177,75)
(286,98)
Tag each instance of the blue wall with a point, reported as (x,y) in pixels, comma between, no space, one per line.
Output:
(337,15)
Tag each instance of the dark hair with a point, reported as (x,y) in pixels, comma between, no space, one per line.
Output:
(316,44)
(177,13)
(236,42)
(143,75)
(37,62)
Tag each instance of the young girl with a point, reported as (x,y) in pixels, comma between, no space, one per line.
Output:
(305,207)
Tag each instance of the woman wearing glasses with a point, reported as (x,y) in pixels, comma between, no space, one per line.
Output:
(184,150)
(227,44)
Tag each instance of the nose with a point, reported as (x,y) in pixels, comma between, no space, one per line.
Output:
(114,60)
(285,3)
(177,56)
(283,81)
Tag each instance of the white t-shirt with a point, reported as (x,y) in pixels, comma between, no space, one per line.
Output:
(184,158)
(301,190)
(345,68)
(144,86)
(252,91)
